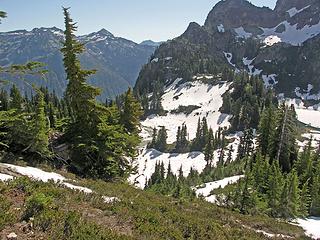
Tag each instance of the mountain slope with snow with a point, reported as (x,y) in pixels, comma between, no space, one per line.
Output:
(207,98)
(117,60)
(282,45)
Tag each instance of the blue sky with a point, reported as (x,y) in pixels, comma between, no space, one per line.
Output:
(133,19)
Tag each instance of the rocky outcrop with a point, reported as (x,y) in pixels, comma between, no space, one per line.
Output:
(281,46)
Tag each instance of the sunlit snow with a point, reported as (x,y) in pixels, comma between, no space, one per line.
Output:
(271,40)
(241,33)
(294,11)
(40,175)
(206,190)
(148,159)
(207,97)
(5,177)
(221,28)
(292,34)
(311,225)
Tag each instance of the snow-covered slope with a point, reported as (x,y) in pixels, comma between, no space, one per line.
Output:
(206,190)
(311,226)
(37,174)
(306,115)
(148,159)
(292,34)
(207,97)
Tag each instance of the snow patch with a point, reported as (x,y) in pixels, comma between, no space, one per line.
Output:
(306,94)
(40,175)
(110,199)
(155,60)
(207,97)
(269,80)
(241,33)
(292,34)
(294,11)
(271,40)
(311,226)
(35,173)
(252,70)
(5,177)
(78,188)
(205,191)
(148,159)
(229,58)
(309,116)
(221,28)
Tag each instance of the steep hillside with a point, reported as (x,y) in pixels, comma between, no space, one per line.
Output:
(51,210)
(281,46)
(117,60)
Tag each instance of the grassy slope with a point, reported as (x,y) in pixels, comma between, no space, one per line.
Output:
(60,213)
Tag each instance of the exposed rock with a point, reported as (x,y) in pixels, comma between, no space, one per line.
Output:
(283,43)
(12,236)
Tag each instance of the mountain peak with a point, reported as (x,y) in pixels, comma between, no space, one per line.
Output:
(105,32)
(150,43)
(236,13)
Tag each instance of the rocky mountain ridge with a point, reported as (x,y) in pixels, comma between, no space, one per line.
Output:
(280,45)
(117,60)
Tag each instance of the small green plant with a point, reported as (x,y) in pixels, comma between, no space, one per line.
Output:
(37,203)
(5,216)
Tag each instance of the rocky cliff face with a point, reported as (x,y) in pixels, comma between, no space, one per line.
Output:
(282,46)
(117,60)
(237,13)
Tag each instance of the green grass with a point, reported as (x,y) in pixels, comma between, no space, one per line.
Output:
(60,213)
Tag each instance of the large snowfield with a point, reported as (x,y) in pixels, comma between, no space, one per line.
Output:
(148,159)
(209,100)
(207,97)
(307,115)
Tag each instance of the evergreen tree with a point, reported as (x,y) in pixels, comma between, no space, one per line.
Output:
(304,200)
(266,126)
(99,142)
(180,175)
(4,101)
(315,193)
(283,144)
(284,209)
(275,184)
(161,143)
(209,148)
(249,199)
(80,95)
(40,131)
(201,139)
(304,164)
(294,193)
(2,15)
(16,98)
(156,105)
(131,113)
(154,139)
(229,156)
